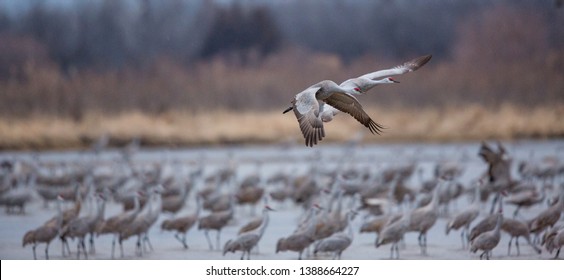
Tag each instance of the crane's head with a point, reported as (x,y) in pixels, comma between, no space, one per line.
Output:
(390,80)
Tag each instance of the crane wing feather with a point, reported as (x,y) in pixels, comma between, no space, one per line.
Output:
(350,105)
(406,67)
(306,108)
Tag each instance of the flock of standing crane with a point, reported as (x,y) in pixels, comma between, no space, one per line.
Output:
(390,201)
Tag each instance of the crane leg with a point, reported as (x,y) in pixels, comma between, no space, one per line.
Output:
(63,242)
(217,239)
(92,248)
(34,255)
(47,251)
(516,211)
(184,240)
(121,247)
(113,245)
(509,246)
(78,250)
(146,240)
(84,248)
(66,244)
(208,238)
(517,245)
(557,253)
(138,248)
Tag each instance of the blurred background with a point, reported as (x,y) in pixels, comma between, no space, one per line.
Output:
(179,72)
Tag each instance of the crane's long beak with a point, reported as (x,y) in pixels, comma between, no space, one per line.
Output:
(288,110)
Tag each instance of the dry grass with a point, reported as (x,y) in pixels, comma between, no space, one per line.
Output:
(178,128)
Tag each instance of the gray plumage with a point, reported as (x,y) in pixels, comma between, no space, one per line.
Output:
(488,240)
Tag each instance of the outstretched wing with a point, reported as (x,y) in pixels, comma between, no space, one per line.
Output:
(350,105)
(306,108)
(409,66)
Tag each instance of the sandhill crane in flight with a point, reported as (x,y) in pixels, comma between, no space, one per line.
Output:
(310,105)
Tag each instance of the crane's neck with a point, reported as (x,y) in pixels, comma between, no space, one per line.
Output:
(136,204)
(264,224)
(339,204)
(198,206)
(101,209)
(476,201)
(59,215)
(350,232)
(158,203)
(434,204)
(310,230)
(498,223)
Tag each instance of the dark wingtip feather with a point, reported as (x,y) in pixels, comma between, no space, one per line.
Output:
(423,60)
(375,128)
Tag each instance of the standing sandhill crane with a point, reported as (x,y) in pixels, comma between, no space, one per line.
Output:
(248,240)
(182,224)
(45,233)
(309,104)
(249,195)
(82,226)
(337,242)
(486,224)
(302,238)
(16,198)
(548,217)
(174,203)
(67,216)
(516,229)
(526,199)
(143,221)
(378,223)
(465,218)
(216,221)
(555,240)
(254,223)
(393,233)
(489,239)
(115,224)
(423,218)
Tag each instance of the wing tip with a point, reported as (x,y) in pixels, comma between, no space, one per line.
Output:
(420,61)
(376,128)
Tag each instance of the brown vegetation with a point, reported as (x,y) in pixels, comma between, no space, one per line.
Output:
(179,128)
